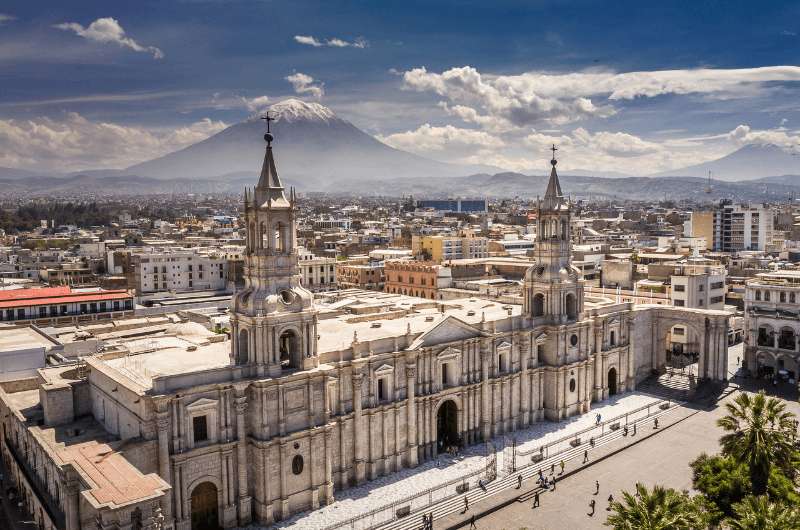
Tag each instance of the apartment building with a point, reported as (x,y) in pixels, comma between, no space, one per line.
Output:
(734,227)
(318,273)
(51,305)
(416,278)
(772,324)
(698,286)
(443,248)
(171,269)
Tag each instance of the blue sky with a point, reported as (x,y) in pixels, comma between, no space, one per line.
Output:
(107,84)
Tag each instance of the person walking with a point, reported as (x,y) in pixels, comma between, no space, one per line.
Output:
(519,481)
(585,455)
(591,442)
(554,484)
(425,521)
(536,499)
(597,419)
(655,423)
(552,468)
(561,464)
(591,505)
(596,487)
(466,504)
(541,476)
(634,429)
(471,522)
(610,500)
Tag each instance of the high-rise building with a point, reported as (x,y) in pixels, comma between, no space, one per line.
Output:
(732,227)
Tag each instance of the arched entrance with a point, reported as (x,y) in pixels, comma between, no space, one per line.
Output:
(205,515)
(612,381)
(289,349)
(538,305)
(447,426)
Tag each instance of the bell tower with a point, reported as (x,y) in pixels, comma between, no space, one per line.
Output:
(274,322)
(553,290)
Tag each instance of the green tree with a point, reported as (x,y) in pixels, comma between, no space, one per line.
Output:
(758,513)
(758,432)
(659,509)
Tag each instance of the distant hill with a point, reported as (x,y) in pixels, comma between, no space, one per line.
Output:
(312,145)
(750,162)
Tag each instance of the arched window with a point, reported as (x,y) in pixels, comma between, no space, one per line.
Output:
(538,305)
(766,296)
(572,310)
(758,295)
(783,297)
(289,350)
(279,237)
(791,298)
(786,339)
(244,354)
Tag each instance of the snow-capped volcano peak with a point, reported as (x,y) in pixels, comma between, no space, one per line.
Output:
(294,109)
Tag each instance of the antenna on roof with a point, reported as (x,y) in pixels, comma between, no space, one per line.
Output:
(709,187)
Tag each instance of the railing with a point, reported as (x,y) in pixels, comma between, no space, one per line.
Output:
(424,499)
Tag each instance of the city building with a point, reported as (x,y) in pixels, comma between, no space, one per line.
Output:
(416,278)
(154,270)
(440,248)
(772,324)
(734,227)
(318,272)
(369,275)
(477,206)
(196,431)
(52,305)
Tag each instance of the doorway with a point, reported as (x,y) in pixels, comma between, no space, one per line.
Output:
(612,381)
(447,426)
(205,514)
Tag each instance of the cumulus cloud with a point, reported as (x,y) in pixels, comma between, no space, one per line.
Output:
(334,42)
(256,104)
(305,84)
(448,142)
(533,97)
(107,30)
(4,18)
(75,142)
(743,135)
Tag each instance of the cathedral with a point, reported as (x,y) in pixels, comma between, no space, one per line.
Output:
(302,403)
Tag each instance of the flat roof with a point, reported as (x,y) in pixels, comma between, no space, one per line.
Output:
(57,295)
(22,338)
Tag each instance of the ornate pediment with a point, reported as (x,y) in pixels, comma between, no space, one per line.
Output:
(451,329)
(202,403)
(503,346)
(540,339)
(448,354)
(384,369)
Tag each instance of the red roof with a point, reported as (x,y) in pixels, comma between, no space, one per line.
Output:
(57,295)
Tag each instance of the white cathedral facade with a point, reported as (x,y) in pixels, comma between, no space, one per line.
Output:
(296,414)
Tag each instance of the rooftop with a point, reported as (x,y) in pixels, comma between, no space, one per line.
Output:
(22,338)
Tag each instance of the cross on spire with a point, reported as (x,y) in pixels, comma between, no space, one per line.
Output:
(266,117)
(553,149)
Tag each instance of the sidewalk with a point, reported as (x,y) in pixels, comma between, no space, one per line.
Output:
(503,492)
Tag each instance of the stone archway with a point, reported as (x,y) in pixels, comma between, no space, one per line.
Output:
(612,381)
(447,426)
(289,346)
(205,507)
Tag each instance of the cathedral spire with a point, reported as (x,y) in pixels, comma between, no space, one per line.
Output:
(269,188)
(553,196)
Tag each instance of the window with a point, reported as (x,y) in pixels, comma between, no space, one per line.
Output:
(200,428)
(573,340)
(679,303)
(783,297)
(382,389)
(572,385)
(758,295)
(680,288)
(678,331)
(766,296)
(297,464)
(612,339)
(701,288)
(42,312)
(791,298)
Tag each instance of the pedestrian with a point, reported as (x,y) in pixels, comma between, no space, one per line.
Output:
(552,468)
(591,505)
(597,419)
(536,499)
(472,522)
(625,431)
(634,429)
(519,481)
(585,456)
(655,423)
(554,483)
(541,476)
(591,442)
(610,500)
(561,464)
(466,504)
(425,521)
(596,487)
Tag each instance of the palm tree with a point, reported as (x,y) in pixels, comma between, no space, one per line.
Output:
(660,509)
(758,432)
(757,513)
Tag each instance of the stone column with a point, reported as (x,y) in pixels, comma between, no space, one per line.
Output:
(487,433)
(163,424)
(524,387)
(411,409)
(245,514)
(358,432)
(328,465)
(598,362)
(631,382)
